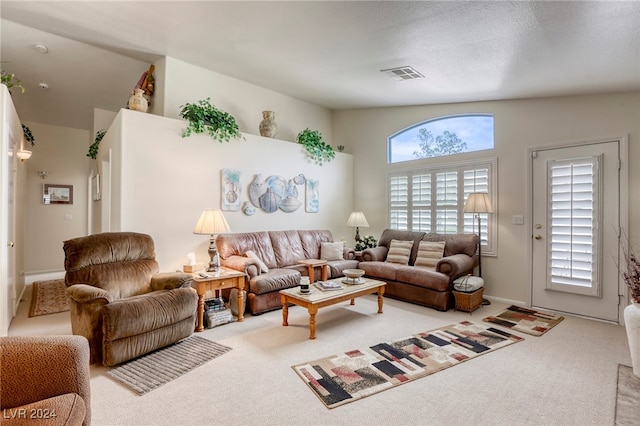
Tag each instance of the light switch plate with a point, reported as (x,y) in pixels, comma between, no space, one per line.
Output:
(518,219)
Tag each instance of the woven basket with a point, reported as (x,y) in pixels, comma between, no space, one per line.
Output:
(468,302)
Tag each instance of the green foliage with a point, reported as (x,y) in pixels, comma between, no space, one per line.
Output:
(203,117)
(28,136)
(317,149)
(445,144)
(10,80)
(93,149)
(366,242)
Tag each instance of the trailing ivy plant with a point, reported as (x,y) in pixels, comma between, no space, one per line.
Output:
(317,149)
(93,149)
(203,117)
(10,80)
(28,136)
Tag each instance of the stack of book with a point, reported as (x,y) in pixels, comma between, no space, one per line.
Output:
(215,304)
(328,285)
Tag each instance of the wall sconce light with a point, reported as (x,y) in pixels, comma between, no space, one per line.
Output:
(43,175)
(23,154)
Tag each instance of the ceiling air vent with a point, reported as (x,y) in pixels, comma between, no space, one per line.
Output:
(402,73)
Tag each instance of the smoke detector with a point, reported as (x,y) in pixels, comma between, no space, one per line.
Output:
(41,48)
(402,73)
(43,86)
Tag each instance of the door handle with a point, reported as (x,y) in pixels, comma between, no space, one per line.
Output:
(538,237)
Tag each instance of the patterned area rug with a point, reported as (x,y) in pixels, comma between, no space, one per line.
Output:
(349,376)
(627,397)
(155,369)
(48,297)
(525,320)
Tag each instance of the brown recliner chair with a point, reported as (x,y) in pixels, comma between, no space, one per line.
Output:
(45,380)
(120,302)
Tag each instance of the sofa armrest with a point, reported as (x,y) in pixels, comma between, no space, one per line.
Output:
(83,293)
(243,264)
(349,254)
(455,265)
(170,280)
(35,368)
(378,253)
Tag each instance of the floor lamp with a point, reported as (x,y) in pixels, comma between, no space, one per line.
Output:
(212,222)
(478,202)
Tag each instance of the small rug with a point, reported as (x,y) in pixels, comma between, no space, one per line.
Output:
(48,297)
(349,376)
(627,397)
(157,368)
(526,320)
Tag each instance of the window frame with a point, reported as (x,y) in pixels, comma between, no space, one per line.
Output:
(416,126)
(491,220)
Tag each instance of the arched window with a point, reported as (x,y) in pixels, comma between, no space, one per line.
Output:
(442,136)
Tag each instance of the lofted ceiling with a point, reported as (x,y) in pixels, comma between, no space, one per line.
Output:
(328,53)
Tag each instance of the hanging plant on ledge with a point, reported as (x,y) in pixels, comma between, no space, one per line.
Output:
(28,136)
(93,149)
(203,117)
(317,149)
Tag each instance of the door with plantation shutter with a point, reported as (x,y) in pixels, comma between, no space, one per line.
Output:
(575,226)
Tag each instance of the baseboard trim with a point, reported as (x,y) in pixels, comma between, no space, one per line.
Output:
(30,277)
(507,301)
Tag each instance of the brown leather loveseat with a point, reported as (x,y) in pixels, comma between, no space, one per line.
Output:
(280,252)
(423,285)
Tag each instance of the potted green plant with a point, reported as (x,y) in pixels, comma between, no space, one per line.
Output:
(10,80)
(28,136)
(317,149)
(204,117)
(93,149)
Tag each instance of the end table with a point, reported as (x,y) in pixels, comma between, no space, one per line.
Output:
(224,278)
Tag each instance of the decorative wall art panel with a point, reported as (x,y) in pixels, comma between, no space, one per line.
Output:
(274,193)
(313,196)
(230,191)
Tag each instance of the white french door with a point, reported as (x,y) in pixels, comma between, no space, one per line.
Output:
(576,220)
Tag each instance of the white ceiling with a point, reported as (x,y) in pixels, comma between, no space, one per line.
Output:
(329,52)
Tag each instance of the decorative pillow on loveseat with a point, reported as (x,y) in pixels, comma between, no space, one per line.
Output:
(255,257)
(332,251)
(429,252)
(399,252)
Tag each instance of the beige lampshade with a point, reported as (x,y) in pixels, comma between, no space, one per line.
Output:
(357,219)
(211,222)
(478,202)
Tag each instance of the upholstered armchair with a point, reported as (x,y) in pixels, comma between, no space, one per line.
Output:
(120,302)
(45,380)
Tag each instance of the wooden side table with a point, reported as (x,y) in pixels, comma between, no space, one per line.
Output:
(316,263)
(224,278)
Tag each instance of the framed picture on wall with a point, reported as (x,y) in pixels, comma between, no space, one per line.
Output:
(57,194)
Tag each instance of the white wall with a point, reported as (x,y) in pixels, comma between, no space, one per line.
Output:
(519,124)
(61,151)
(186,83)
(162,182)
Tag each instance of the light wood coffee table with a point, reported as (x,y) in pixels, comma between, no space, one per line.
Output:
(318,299)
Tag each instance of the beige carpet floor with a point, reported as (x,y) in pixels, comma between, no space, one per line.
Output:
(568,376)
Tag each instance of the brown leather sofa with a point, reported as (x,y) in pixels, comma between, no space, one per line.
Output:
(421,285)
(45,380)
(280,251)
(120,302)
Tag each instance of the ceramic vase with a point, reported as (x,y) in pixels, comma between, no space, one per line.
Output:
(268,126)
(137,101)
(256,189)
(632,325)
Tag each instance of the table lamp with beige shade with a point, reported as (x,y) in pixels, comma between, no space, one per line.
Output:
(212,222)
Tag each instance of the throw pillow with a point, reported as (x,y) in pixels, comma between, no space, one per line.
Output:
(255,257)
(332,251)
(429,252)
(399,251)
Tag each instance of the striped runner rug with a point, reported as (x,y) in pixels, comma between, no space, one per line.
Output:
(157,368)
